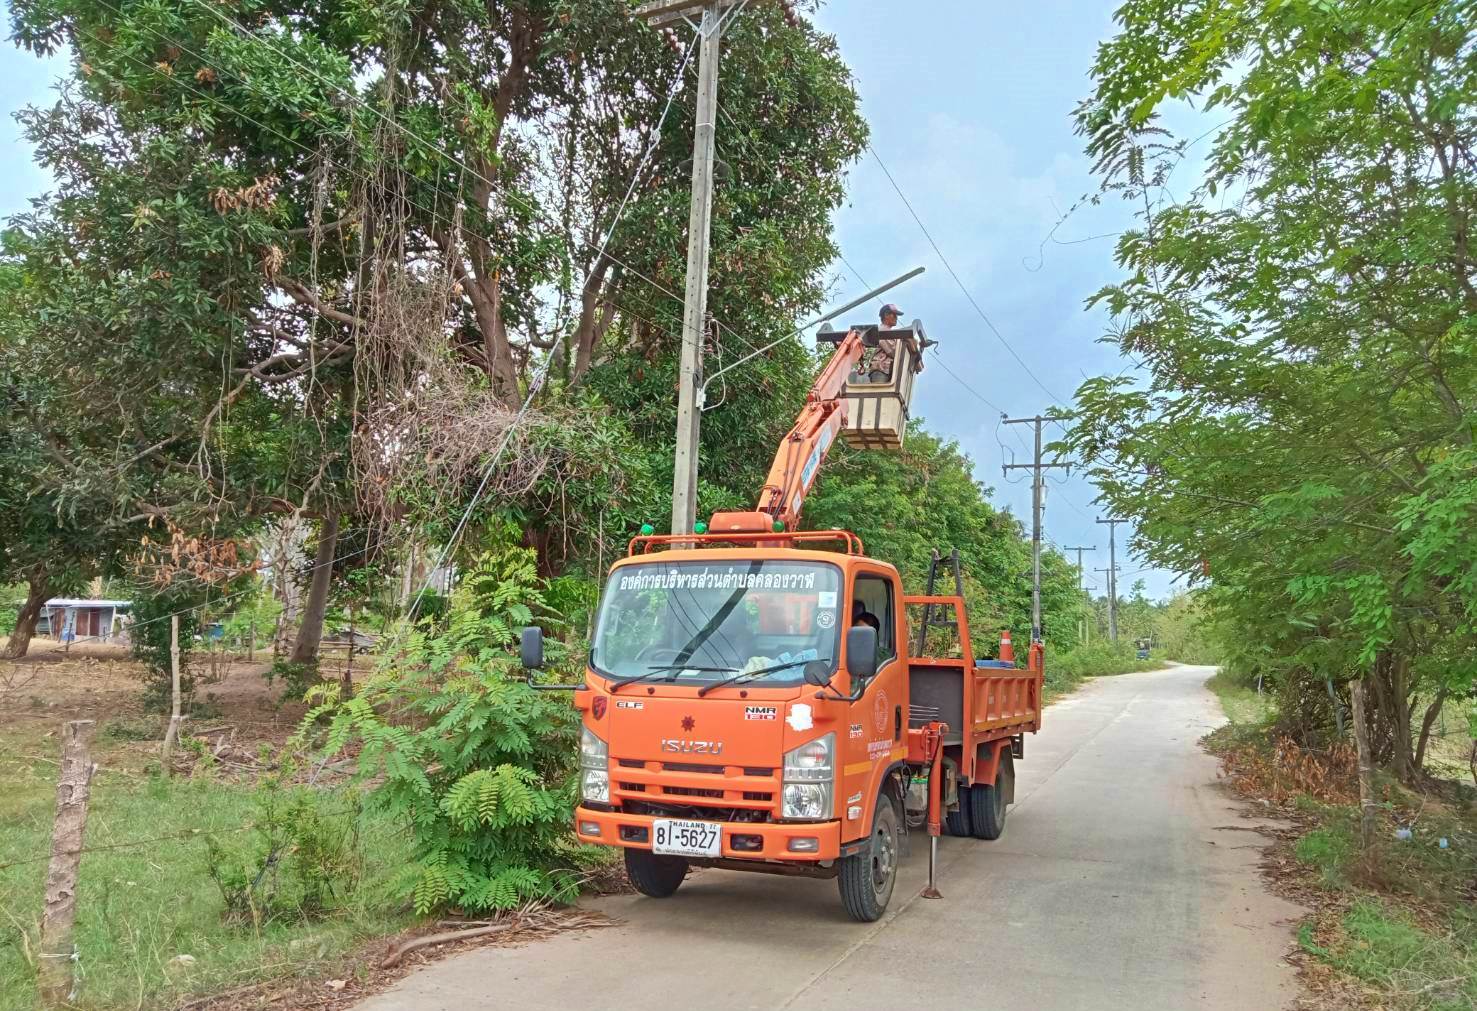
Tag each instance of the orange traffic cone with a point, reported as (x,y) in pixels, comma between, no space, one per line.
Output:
(1007,651)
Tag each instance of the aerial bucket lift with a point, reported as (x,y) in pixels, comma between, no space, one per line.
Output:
(877,411)
(843,402)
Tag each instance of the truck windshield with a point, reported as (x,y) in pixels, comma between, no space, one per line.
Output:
(701,622)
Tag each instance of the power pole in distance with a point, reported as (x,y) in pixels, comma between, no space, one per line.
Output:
(1036,469)
(1108,572)
(1079,551)
(695,300)
(1112,570)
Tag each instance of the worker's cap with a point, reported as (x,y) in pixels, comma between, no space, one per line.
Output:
(889,310)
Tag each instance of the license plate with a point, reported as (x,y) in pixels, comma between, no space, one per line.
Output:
(686,838)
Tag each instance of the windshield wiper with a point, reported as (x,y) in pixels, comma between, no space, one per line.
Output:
(668,667)
(752,674)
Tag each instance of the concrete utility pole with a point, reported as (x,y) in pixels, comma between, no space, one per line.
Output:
(1036,469)
(1112,570)
(1079,551)
(1108,572)
(695,301)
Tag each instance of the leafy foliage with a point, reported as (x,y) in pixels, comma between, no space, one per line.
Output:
(300,859)
(1304,438)
(150,637)
(477,763)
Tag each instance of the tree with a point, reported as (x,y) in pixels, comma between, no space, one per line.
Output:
(319,238)
(905,505)
(1305,434)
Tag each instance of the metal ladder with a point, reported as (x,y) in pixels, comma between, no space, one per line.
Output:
(929,621)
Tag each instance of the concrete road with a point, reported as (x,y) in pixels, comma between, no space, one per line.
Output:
(1122,881)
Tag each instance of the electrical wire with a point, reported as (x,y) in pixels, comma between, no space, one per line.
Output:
(954,274)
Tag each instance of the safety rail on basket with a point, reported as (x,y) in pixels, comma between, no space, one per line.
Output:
(648,543)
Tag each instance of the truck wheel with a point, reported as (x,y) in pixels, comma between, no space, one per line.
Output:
(867,878)
(656,876)
(958,822)
(987,807)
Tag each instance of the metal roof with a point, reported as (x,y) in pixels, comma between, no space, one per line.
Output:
(82,602)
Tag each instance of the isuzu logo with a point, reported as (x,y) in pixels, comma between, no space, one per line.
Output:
(692,747)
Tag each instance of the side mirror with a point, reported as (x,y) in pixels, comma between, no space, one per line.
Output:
(531,648)
(861,652)
(816,674)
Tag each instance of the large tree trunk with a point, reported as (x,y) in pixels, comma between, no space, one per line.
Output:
(310,634)
(25,623)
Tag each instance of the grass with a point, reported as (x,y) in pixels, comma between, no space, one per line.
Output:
(142,908)
(1397,918)
(1413,966)
(1243,703)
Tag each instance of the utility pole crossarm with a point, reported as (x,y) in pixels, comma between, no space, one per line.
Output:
(659,11)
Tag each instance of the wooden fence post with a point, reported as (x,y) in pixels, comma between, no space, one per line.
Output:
(171,736)
(1368,807)
(55,974)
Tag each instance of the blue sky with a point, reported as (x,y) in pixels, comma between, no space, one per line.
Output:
(970,106)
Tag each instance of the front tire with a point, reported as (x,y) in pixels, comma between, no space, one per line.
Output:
(867,878)
(652,875)
(988,806)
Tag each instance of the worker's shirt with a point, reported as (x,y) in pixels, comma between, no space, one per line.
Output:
(882,357)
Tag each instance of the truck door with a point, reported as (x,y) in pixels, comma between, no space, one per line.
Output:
(875,734)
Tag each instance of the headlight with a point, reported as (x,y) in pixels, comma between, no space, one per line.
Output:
(810,776)
(595,786)
(810,801)
(594,768)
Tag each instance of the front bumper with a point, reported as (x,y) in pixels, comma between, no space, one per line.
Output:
(739,837)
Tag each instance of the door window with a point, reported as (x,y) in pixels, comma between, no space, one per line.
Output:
(872,598)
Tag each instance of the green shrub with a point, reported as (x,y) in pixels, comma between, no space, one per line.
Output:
(150,636)
(479,765)
(296,678)
(300,859)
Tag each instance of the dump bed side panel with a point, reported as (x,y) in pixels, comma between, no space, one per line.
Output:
(981,705)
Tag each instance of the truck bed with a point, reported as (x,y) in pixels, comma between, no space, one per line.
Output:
(979,704)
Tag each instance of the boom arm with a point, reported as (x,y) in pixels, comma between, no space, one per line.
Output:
(799,457)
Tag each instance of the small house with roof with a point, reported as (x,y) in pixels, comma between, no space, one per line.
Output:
(72,619)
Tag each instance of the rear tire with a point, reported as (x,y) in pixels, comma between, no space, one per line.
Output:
(652,875)
(957,822)
(867,878)
(988,807)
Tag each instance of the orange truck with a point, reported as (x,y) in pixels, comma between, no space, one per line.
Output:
(754,699)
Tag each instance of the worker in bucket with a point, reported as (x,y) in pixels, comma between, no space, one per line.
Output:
(877,365)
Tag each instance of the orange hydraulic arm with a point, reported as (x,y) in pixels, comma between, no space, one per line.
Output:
(800,455)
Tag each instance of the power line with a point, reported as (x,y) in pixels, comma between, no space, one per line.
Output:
(952,273)
(936,356)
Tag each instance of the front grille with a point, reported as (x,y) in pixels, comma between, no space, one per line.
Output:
(749,771)
(705,770)
(699,813)
(687,791)
(634,787)
(751,795)
(632,763)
